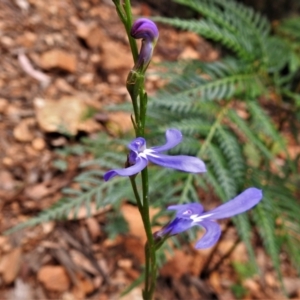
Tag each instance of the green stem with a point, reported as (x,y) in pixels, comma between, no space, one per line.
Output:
(135,86)
(128,25)
(150,276)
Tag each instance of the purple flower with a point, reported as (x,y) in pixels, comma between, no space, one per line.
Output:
(139,157)
(189,215)
(147,31)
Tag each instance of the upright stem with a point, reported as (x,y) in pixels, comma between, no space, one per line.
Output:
(128,24)
(135,86)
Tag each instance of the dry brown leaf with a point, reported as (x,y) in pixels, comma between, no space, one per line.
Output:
(23,131)
(3,105)
(93,227)
(54,278)
(189,53)
(177,266)
(135,247)
(80,260)
(134,294)
(65,115)
(291,285)
(57,58)
(7,181)
(38,144)
(119,122)
(37,191)
(112,60)
(133,218)
(10,265)
(215,281)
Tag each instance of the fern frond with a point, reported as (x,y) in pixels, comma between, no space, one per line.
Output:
(210,30)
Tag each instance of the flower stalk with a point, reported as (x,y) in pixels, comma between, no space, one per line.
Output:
(135,86)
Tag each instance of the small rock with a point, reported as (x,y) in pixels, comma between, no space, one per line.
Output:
(54,278)
(23,131)
(57,58)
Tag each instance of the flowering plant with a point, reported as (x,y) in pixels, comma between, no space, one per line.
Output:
(187,215)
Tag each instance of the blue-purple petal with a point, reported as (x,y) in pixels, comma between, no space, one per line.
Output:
(145,55)
(141,163)
(144,28)
(179,162)
(211,236)
(187,210)
(178,225)
(241,203)
(173,138)
(137,145)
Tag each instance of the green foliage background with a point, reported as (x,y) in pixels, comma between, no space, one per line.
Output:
(258,75)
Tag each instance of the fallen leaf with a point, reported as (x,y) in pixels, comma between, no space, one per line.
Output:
(65,115)
(177,266)
(38,144)
(57,58)
(37,191)
(7,181)
(80,260)
(119,122)
(10,265)
(54,278)
(3,105)
(23,131)
(134,294)
(291,285)
(189,53)
(93,227)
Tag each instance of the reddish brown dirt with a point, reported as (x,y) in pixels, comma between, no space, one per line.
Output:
(63,56)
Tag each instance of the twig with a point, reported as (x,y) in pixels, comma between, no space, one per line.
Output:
(28,68)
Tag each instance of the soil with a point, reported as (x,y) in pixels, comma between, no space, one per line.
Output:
(58,59)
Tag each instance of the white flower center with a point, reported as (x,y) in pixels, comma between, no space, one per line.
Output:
(199,218)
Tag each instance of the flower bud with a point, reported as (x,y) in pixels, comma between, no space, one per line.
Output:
(146,30)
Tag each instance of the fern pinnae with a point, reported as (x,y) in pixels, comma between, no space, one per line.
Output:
(233,152)
(209,30)
(209,11)
(219,166)
(243,127)
(266,226)
(266,125)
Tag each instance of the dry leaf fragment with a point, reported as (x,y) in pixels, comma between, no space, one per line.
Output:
(177,266)
(54,278)
(57,58)
(10,265)
(23,132)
